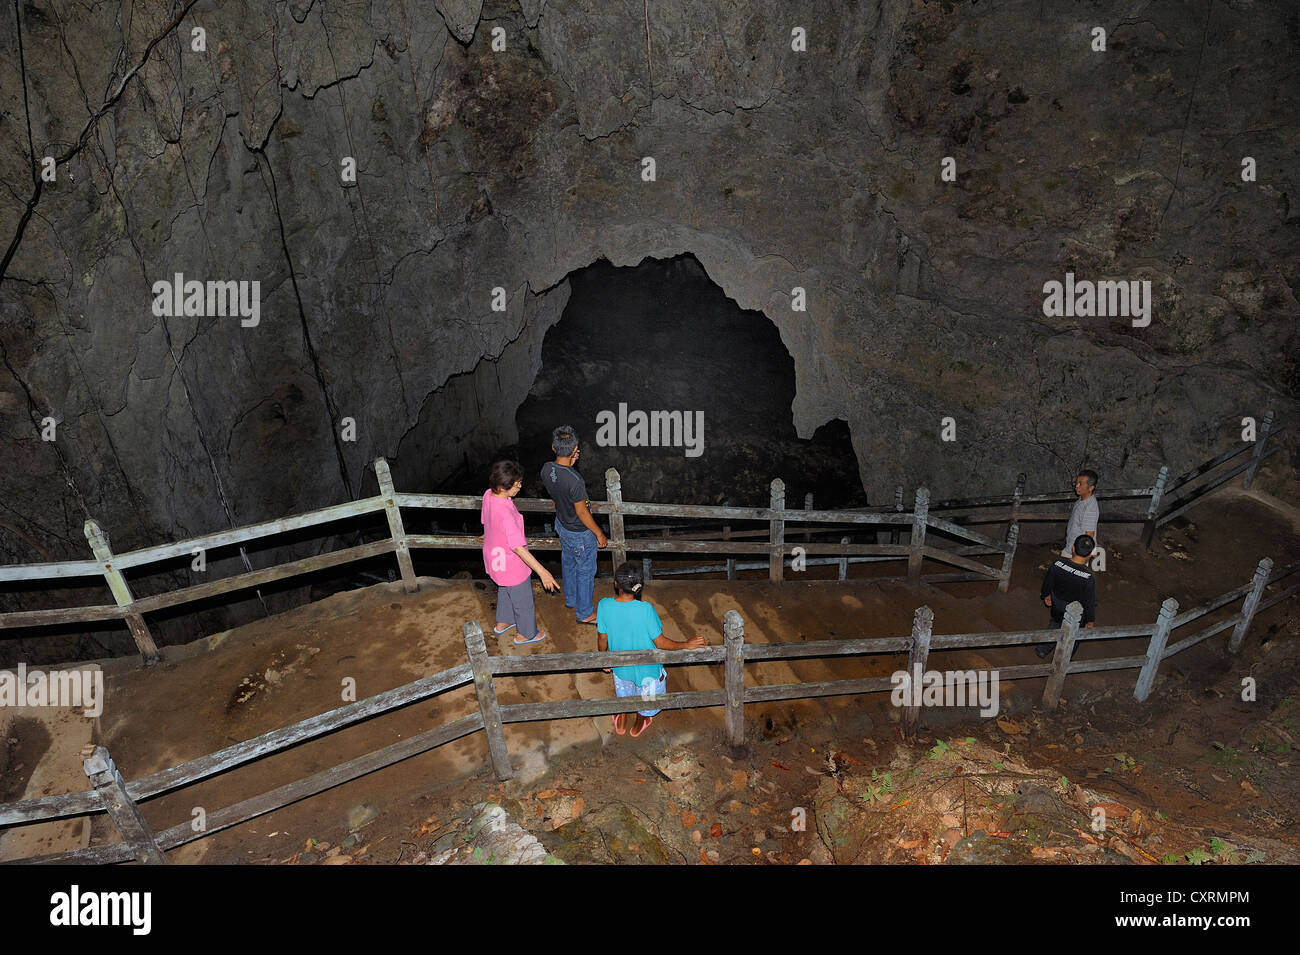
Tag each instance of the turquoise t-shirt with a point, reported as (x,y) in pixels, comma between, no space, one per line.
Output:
(630,625)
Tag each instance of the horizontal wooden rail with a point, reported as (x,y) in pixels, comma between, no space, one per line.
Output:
(568,709)
(51,571)
(72,804)
(266,575)
(1199,636)
(1205,468)
(967,563)
(45,618)
(1113,663)
(281,796)
(593,660)
(966,533)
(239,535)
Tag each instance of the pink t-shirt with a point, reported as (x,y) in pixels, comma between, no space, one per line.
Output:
(503,531)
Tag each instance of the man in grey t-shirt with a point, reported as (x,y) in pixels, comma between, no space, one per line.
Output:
(1086,513)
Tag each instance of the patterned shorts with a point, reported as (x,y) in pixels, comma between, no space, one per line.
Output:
(653,688)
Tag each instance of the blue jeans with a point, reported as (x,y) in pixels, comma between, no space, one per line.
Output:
(578,565)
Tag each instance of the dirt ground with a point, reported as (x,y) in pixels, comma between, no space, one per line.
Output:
(1209,777)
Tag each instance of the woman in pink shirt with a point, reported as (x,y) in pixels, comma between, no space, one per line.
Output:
(506,557)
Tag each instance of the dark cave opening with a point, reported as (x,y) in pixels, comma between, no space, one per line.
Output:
(657,354)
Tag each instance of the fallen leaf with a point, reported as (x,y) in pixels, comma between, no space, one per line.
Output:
(688,819)
(779,765)
(548,794)
(715,830)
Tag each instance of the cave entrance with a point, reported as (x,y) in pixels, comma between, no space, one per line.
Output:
(638,345)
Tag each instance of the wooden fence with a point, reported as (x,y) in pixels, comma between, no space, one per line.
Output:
(1152,506)
(390,502)
(112,794)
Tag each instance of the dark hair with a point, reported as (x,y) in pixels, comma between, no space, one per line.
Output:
(1083,545)
(1091,476)
(627,580)
(504,474)
(563,440)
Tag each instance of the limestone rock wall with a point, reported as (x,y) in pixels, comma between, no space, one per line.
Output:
(479,168)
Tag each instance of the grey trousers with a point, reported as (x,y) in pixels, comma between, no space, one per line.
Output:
(515,605)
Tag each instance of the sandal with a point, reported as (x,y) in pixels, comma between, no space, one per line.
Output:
(644,726)
(541,635)
(590,620)
(506,629)
(620,726)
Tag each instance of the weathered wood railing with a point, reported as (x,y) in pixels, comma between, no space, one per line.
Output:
(140,843)
(390,502)
(131,609)
(1018,507)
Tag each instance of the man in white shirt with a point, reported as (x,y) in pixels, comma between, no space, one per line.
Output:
(1086,513)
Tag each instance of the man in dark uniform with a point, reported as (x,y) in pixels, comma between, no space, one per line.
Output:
(1067,581)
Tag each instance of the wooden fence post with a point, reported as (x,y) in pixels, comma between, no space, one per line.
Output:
(126,815)
(487,699)
(1016,497)
(731,561)
(1252,601)
(917,544)
(1004,578)
(614,495)
(896,534)
(733,632)
(1147,677)
(1064,651)
(121,593)
(645,568)
(1258,454)
(844,561)
(395,528)
(1153,511)
(807,506)
(922,624)
(776,532)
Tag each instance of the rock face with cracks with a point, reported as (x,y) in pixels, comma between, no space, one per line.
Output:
(479,167)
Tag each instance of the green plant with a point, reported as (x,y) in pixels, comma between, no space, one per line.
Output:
(1126,762)
(875,793)
(938,749)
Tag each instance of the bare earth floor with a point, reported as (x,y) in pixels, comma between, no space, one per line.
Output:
(1193,770)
